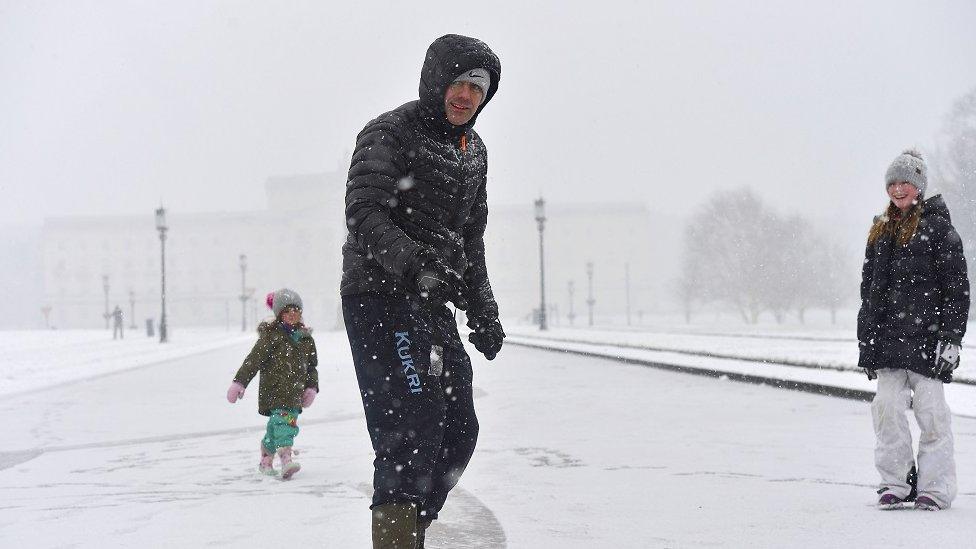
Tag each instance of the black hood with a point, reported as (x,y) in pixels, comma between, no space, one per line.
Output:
(936,206)
(447,57)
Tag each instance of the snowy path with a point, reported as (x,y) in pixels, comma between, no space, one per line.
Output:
(35,359)
(156,453)
(574,452)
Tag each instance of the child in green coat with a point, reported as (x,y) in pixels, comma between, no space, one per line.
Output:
(285,355)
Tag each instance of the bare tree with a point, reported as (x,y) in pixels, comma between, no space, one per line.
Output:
(829,275)
(728,253)
(954,168)
(688,287)
(788,275)
(740,252)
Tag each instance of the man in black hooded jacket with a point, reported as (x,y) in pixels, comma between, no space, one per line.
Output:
(416,210)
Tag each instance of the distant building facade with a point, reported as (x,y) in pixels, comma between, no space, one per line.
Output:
(292,243)
(616,237)
(295,242)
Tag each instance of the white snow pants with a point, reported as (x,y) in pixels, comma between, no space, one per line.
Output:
(893,450)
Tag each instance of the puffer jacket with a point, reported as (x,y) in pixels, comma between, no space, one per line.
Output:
(416,187)
(287,367)
(914,296)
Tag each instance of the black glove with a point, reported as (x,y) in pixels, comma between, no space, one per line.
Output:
(867,355)
(866,358)
(487,336)
(438,284)
(946,358)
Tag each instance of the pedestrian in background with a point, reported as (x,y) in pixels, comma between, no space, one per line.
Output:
(117,323)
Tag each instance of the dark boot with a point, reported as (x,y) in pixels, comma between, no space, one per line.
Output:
(912,481)
(395,526)
(422,526)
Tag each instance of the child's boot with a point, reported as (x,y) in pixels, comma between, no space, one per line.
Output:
(267,462)
(288,467)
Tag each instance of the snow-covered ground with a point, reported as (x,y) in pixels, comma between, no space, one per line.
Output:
(31,359)
(822,359)
(574,452)
(822,347)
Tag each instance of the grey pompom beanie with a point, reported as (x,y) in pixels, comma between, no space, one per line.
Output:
(909,167)
(279,299)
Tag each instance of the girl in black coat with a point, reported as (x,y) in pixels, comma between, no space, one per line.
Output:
(914,308)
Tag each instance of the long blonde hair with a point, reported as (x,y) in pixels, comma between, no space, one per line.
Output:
(899,226)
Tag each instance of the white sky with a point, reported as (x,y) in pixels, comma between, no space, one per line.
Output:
(110,107)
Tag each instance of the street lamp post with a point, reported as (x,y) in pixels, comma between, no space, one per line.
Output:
(132,309)
(590,301)
(46,311)
(243,263)
(249,292)
(161,227)
(571,315)
(540,217)
(105,287)
(627,289)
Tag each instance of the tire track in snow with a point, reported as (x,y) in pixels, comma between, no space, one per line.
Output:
(13,458)
(10,459)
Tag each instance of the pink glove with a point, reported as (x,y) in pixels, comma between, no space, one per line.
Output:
(308,397)
(235,392)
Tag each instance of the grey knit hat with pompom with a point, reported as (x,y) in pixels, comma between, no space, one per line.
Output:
(279,299)
(908,167)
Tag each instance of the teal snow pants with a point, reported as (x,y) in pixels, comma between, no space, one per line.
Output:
(282,429)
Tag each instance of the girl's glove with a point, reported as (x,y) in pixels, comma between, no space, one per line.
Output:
(867,355)
(235,392)
(946,357)
(308,397)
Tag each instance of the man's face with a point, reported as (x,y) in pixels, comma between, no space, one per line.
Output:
(461,101)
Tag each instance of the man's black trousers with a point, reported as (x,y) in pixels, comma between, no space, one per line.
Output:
(421,422)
